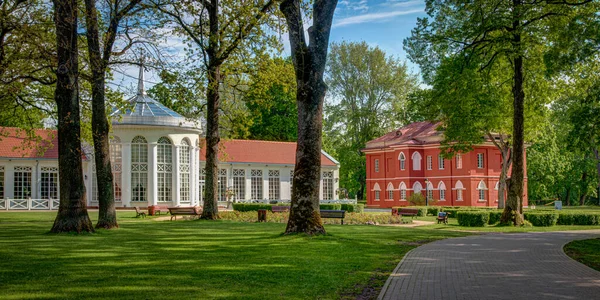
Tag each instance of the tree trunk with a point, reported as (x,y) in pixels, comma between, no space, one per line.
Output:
(107,215)
(309,64)
(210,210)
(513,210)
(583,188)
(72,213)
(597,156)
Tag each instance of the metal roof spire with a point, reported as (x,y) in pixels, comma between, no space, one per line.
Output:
(140,89)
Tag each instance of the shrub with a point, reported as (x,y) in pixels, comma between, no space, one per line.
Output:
(433,210)
(358,208)
(416,199)
(578,218)
(495,217)
(542,219)
(422,210)
(473,218)
(331,206)
(250,206)
(451,212)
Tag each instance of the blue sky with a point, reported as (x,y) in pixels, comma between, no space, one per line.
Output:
(382,23)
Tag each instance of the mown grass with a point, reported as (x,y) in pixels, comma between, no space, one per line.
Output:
(453,226)
(185,259)
(585,251)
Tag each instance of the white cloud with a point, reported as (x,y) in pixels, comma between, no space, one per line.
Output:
(371,17)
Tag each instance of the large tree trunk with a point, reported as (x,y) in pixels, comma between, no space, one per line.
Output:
(597,156)
(210,209)
(107,215)
(309,64)
(584,192)
(513,210)
(72,213)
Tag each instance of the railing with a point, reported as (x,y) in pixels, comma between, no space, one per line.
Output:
(266,201)
(29,204)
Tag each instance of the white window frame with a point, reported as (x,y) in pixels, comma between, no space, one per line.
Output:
(139,169)
(164,172)
(116,163)
(402,159)
(402,189)
(376,165)
(441,162)
(429,162)
(256,184)
(390,191)
(239,183)
(274,185)
(481,187)
(328,185)
(442,189)
(49,183)
(377,190)
(480,161)
(459,161)
(416,161)
(184,171)
(458,186)
(22,181)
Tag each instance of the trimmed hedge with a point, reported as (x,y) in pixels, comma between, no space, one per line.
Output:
(451,212)
(578,218)
(331,206)
(358,208)
(422,210)
(495,217)
(433,210)
(251,206)
(473,218)
(542,219)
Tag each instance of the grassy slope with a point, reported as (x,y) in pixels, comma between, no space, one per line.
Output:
(147,259)
(585,251)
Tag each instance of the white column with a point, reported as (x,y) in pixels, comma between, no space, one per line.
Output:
(152,174)
(9,180)
(336,183)
(265,183)
(193,172)
(321,185)
(176,193)
(248,185)
(126,174)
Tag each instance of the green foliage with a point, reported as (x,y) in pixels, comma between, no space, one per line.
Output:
(473,218)
(541,219)
(433,210)
(451,211)
(578,218)
(367,98)
(358,208)
(422,210)
(250,206)
(416,199)
(331,206)
(494,217)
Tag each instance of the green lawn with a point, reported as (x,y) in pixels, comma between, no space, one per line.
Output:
(149,259)
(585,251)
(453,226)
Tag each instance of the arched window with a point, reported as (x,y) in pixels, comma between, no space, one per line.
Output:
(459,190)
(139,169)
(164,165)
(402,191)
(417,187)
(402,160)
(416,159)
(429,190)
(184,171)
(442,189)
(481,188)
(390,191)
(116,162)
(458,161)
(377,190)
(497,183)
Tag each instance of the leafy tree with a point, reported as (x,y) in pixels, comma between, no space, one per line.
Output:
(369,93)
(72,213)
(482,34)
(309,65)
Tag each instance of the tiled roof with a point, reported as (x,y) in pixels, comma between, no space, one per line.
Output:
(267,152)
(418,133)
(15,143)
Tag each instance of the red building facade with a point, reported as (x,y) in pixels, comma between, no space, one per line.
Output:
(408,161)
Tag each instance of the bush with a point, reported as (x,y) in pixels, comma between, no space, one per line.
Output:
(433,210)
(250,206)
(331,206)
(422,210)
(358,208)
(416,199)
(451,212)
(542,219)
(578,218)
(495,217)
(473,218)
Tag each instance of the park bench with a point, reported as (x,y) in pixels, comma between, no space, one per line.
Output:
(276,208)
(413,212)
(184,211)
(442,217)
(139,212)
(333,214)
(158,209)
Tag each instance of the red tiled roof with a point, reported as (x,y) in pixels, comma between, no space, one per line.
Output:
(15,143)
(418,133)
(267,152)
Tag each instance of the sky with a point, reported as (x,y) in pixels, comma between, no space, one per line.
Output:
(381,23)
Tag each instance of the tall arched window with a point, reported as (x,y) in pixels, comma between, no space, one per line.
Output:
(429,190)
(184,171)
(417,187)
(481,187)
(459,190)
(416,160)
(139,169)
(377,190)
(442,189)
(390,191)
(402,160)
(164,164)
(402,191)
(116,162)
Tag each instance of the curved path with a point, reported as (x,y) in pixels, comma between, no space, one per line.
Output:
(495,266)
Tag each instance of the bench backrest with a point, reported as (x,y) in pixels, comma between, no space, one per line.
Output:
(280,208)
(442,214)
(184,210)
(333,214)
(409,210)
(137,209)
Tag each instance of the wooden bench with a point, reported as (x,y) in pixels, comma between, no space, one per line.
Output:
(139,212)
(184,211)
(413,212)
(333,214)
(442,217)
(158,209)
(280,208)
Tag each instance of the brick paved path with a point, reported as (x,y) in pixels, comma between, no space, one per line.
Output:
(495,266)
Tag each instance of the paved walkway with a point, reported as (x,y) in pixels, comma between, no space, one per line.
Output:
(495,266)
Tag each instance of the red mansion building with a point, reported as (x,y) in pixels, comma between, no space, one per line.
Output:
(408,161)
